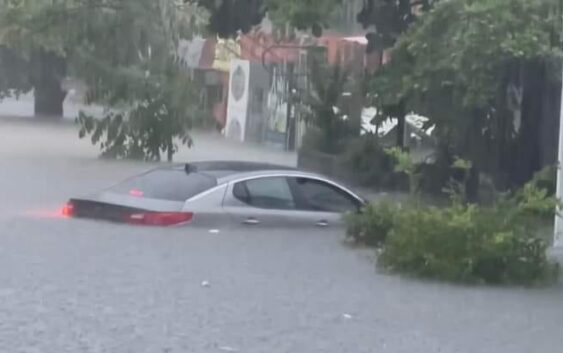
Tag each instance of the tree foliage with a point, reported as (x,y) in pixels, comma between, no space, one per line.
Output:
(141,78)
(126,53)
(388,20)
(323,104)
(154,115)
(303,15)
(480,70)
(13,73)
(33,53)
(229,17)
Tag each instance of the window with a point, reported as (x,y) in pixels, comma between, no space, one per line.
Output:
(165,184)
(323,197)
(268,193)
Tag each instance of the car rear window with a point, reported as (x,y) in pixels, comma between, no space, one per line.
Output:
(165,184)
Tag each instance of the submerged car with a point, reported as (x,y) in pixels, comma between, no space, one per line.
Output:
(221,193)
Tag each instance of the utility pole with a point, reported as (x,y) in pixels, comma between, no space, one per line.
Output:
(558,236)
(558,228)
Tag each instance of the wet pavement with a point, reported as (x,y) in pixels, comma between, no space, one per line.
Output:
(81,286)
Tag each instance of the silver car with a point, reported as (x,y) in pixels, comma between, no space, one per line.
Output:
(219,194)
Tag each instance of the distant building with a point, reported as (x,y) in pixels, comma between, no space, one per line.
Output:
(281,59)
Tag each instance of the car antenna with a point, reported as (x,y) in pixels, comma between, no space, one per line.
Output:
(189,168)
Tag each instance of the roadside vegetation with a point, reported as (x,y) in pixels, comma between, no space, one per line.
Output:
(501,243)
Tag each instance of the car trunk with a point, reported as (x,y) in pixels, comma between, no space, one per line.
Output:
(128,209)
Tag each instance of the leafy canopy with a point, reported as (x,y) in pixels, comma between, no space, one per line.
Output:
(125,51)
(455,59)
(229,17)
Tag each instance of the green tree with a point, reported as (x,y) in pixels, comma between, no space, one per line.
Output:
(55,39)
(125,52)
(40,62)
(141,78)
(13,73)
(387,21)
(486,73)
(323,103)
(228,17)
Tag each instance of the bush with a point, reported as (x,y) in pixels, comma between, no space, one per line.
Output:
(468,244)
(371,227)
(546,179)
(461,242)
(371,165)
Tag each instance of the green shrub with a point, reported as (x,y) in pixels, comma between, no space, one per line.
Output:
(372,226)
(468,244)
(371,165)
(546,179)
(462,242)
(534,201)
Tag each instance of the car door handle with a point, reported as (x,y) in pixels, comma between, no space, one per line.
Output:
(251,221)
(322,224)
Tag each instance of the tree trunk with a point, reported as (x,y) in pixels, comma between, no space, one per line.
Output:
(49,98)
(503,152)
(528,143)
(549,129)
(48,71)
(170,151)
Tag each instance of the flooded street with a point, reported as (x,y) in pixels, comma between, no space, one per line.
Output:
(82,286)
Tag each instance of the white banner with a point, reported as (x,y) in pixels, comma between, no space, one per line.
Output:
(237,108)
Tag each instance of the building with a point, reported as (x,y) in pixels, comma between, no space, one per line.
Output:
(278,70)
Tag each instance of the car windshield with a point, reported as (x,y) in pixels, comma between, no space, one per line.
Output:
(182,176)
(165,184)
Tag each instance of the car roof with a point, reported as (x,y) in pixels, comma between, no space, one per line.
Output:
(235,166)
(225,171)
(273,172)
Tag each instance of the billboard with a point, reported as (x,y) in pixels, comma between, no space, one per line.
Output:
(237,108)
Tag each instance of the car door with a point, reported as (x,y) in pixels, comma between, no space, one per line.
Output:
(264,202)
(207,208)
(324,202)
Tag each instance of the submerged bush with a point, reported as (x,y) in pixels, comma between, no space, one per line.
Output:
(461,242)
(467,244)
(372,226)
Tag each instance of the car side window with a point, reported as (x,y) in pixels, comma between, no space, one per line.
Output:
(267,193)
(323,197)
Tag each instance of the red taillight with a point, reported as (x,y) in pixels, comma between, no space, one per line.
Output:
(136,193)
(68,209)
(160,218)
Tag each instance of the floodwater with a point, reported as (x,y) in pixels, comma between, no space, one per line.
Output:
(82,286)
